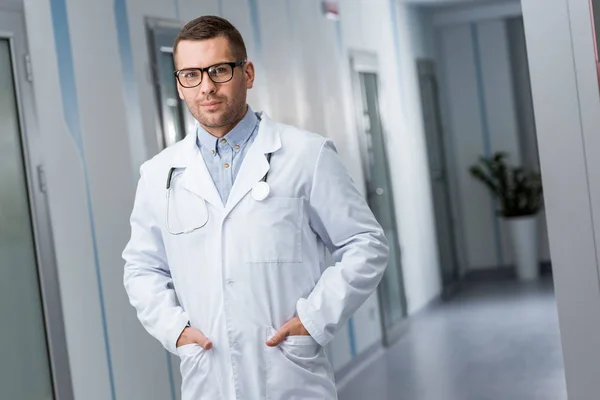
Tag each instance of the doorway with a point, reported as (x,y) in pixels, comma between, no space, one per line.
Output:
(175,121)
(391,295)
(33,362)
(436,153)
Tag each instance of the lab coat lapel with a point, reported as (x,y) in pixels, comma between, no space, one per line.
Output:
(196,177)
(255,164)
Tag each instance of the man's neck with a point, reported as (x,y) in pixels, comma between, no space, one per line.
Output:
(221,131)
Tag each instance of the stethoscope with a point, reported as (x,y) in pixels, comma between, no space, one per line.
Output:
(260,191)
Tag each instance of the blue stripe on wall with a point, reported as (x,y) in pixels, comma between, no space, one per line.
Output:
(171,377)
(130,89)
(70,103)
(255,21)
(340,45)
(134,115)
(351,337)
(220,5)
(339,36)
(396,34)
(289,15)
(177,10)
(487,143)
(485,128)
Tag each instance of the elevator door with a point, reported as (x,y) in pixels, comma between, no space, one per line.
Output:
(392,299)
(24,362)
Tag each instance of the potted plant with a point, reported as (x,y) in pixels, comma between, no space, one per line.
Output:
(519,195)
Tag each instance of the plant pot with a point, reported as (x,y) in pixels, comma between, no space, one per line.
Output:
(524,236)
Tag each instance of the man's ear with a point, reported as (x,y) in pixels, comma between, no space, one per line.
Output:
(249,74)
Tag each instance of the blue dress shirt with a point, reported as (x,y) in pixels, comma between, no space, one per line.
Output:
(224,156)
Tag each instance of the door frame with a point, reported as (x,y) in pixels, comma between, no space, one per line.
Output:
(367,62)
(12,29)
(155,28)
(428,67)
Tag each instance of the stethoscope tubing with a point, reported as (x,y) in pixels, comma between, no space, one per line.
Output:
(188,231)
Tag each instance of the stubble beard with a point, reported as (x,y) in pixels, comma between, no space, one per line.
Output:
(229,116)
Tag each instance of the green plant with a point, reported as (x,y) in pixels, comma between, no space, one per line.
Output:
(518,191)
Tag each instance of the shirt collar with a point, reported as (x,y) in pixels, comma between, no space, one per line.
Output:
(236,137)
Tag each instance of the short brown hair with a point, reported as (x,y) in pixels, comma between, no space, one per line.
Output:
(210,27)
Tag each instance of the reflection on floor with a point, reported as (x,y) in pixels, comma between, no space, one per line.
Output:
(492,342)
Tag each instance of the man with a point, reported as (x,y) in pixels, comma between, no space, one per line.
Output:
(227,269)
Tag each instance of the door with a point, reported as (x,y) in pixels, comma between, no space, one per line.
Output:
(175,119)
(31,321)
(439,177)
(392,301)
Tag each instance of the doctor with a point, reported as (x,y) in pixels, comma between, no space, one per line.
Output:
(225,265)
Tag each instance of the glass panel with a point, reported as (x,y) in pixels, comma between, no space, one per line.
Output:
(24,366)
(171,105)
(379,197)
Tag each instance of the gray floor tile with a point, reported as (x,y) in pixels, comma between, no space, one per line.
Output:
(492,342)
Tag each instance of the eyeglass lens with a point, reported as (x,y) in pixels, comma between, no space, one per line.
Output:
(192,77)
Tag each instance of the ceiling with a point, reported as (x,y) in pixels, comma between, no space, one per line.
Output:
(451,3)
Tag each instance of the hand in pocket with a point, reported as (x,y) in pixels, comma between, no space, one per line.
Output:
(293,327)
(192,335)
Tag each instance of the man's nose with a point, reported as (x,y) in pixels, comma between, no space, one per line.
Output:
(207,86)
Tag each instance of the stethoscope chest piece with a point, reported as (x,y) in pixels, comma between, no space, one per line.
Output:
(260,191)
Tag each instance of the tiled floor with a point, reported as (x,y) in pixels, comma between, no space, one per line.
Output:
(492,342)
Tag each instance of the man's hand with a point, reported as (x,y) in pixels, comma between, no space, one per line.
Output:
(291,328)
(192,335)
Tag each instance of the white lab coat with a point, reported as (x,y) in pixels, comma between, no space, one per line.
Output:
(254,265)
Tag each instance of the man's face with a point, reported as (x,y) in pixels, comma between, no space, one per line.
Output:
(217,106)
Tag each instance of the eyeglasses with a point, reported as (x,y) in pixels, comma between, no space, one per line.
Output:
(218,73)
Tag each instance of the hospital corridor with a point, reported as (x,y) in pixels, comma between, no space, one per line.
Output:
(299,199)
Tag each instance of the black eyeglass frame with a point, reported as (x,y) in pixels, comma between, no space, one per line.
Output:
(206,69)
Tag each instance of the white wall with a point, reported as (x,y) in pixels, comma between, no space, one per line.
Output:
(438,3)
(403,121)
(474,60)
(98,127)
(567,107)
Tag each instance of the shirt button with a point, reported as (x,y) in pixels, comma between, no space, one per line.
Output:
(223,141)
(236,147)
(213,152)
(226,165)
(230,282)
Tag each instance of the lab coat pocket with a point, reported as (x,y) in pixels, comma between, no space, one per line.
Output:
(298,369)
(274,231)
(195,366)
